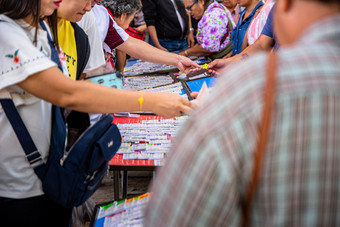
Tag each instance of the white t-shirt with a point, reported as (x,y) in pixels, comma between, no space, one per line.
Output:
(115,35)
(102,18)
(19,59)
(89,24)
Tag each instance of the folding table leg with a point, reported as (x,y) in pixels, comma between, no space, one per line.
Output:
(125,180)
(116,185)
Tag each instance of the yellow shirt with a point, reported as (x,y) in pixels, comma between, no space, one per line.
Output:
(67,43)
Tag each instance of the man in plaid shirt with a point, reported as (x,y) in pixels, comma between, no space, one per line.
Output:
(209,168)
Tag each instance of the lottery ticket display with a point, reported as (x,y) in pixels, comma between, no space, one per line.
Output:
(149,139)
(176,88)
(143,82)
(141,68)
(128,212)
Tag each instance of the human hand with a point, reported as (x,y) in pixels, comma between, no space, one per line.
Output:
(186,65)
(141,28)
(191,40)
(182,53)
(168,105)
(161,47)
(217,65)
(194,94)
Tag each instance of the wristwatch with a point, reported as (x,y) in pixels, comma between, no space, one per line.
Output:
(191,29)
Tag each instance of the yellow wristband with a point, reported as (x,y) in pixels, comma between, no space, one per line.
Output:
(186,53)
(141,100)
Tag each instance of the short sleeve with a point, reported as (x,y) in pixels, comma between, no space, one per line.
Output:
(18,56)
(256,26)
(102,19)
(115,35)
(89,24)
(212,29)
(268,27)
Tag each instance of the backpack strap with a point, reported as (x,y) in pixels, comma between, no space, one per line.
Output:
(78,122)
(54,53)
(269,98)
(83,49)
(32,154)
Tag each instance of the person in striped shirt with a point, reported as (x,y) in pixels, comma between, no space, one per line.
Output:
(208,170)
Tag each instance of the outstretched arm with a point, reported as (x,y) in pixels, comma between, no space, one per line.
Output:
(142,50)
(263,43)
(84,96)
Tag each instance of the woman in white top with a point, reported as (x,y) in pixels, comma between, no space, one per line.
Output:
(33,81)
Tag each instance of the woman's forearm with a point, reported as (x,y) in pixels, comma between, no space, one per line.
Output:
(85,96)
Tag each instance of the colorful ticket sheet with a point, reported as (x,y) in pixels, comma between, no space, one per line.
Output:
(128,212)
(147,138)
(143,82)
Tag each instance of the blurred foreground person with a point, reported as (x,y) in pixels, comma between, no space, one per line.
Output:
(208,172)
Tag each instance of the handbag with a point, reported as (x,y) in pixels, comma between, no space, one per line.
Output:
(269,98)
(69,177)
(134,33)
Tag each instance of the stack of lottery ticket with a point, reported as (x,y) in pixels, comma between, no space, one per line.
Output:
(129,212)
(143,82)
(142,67)
(150,139)
(176,88)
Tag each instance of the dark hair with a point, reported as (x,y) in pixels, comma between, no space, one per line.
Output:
(118,7)
(20,9)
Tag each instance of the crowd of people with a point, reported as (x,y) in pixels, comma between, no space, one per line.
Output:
(47,48)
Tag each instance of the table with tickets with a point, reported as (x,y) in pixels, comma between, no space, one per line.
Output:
(127,212)
(146,139)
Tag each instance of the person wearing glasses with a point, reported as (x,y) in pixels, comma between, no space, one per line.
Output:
(167,24)
(214,28)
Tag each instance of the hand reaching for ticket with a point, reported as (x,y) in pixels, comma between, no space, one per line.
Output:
(167,104)
(203,93)
(186,65)
(219,65)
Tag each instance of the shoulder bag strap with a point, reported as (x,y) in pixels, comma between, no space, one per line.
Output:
(32,154)
(269,97)
(83,49)
(54,53)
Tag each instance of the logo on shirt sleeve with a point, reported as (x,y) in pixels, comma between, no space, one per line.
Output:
(14,56)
